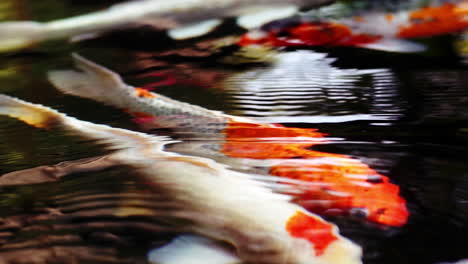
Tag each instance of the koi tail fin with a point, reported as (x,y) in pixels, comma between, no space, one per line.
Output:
(93,82)
(44,117)
(32,114)
(19,35)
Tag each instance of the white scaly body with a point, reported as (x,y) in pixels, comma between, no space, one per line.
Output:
(160,13)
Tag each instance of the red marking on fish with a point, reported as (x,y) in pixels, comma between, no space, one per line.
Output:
(313,229)
(167,81)
(143,120)
(313,34)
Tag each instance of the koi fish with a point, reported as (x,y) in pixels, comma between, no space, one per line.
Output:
(326,181)
(261,226)
(184,19)
(380,31)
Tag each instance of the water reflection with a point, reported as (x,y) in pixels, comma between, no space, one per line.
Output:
(443,95)
(74,220)
(303,87)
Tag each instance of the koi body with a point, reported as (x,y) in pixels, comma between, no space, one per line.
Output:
(184,19)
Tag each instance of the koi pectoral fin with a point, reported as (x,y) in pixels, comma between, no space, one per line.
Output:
(192,249)
(43,174)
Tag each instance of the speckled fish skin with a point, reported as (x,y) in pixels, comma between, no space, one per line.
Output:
(346,184)
(159,110)
(160,13)
(262,226)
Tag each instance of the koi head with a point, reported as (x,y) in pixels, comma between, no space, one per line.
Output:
(329,247)
(343,185)
(380,203)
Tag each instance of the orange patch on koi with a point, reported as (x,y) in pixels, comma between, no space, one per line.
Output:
(140,92)
(462,8)
(359,19)
(257,141)
(337,181)
(389,17)
(431,21)
(313,229)
(236,130)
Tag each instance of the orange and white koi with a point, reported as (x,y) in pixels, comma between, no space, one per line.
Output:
(383,31)
(220,204)
(328,182)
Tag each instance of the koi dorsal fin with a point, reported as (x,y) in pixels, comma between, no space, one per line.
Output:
(93,81)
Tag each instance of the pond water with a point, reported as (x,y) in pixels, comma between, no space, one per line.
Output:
(404,115)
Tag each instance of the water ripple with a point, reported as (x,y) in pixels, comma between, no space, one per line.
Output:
(305,84)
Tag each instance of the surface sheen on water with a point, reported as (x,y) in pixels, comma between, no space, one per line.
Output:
(405,116)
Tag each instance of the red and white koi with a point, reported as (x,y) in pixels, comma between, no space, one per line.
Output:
(221,204)
(327,182)
(374,30)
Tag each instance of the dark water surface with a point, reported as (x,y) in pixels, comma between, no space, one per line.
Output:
(404,115)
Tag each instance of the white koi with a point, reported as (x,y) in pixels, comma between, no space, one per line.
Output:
(187,18)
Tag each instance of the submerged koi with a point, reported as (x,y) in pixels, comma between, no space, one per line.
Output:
(184,19)
(373,30)
(262,226)
(327,181)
